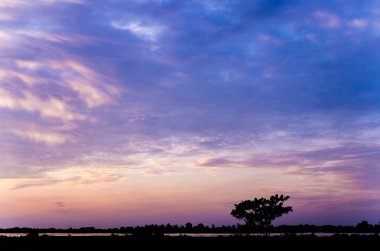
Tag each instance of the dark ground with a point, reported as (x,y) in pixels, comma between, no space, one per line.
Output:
(283,243)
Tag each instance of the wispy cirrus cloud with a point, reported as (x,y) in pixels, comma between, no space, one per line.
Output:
(35,184)
(84,176)
(47,108)
(10,76)
(93,88)
(356,165)
(50,85)
(49,138)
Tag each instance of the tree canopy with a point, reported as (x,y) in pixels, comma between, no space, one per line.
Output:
(261,212)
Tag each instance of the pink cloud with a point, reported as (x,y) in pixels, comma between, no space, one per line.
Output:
(6,17)
(48,138)
(47,108)
(26,3)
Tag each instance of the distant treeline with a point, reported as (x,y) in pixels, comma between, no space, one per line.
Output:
(362,227)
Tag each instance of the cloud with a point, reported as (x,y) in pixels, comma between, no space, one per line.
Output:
(11,3)
(59,204)
(24,185)
(73,39)
(147,32)
(83,177)
(227,163)
(359,23)
(354,165)
(91,95)
(48,138)
(7,40)
(6,17)
(47,108)
(44,85)
(26,3)
(328,19)
(8,76)
(93,88)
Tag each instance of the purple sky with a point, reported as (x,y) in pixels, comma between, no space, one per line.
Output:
(129,112)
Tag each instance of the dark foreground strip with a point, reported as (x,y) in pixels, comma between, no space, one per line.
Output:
(283,243)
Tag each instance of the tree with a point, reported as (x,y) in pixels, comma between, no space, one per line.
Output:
(261,212)
(189,225)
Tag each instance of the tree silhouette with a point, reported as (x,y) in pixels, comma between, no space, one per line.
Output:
(261,212)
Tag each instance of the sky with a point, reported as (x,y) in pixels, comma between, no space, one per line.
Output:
(131,112)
